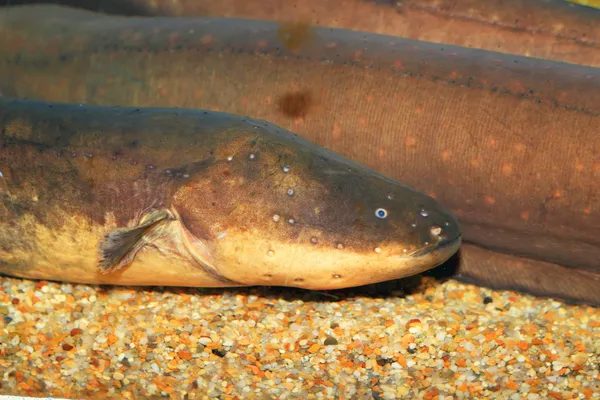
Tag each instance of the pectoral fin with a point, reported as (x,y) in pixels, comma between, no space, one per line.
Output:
(120,246)
(166,231)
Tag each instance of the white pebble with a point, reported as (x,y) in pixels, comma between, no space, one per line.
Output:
(204,340)
(557,365)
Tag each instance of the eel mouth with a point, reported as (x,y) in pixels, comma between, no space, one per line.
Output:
(446,246)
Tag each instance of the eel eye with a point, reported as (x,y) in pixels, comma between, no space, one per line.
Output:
(381,213)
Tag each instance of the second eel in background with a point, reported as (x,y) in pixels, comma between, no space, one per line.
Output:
(550,29)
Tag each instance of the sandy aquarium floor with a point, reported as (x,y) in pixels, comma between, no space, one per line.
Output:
(435,341)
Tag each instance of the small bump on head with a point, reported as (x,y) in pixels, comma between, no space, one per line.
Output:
(435,230)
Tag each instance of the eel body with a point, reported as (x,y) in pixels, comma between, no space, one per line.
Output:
(197,198)
(511,144)
(548,29)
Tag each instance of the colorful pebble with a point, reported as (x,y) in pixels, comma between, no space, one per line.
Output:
(443,341)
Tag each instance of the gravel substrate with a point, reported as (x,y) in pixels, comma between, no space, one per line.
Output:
(445,340)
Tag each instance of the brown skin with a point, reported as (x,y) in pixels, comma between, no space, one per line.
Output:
(553,30)
(548,29)
(505,271)
(509,143)
(81,181)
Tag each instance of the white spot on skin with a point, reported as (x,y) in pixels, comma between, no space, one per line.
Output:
(414,225)
(286,168)
(377,250)
(435,230)
(271,253)
(229,158)
(313,240)
(222,235)
(291,221)
(424,213)
(336,276)
(276,218)
(252,156)
(340,246)
(290,192)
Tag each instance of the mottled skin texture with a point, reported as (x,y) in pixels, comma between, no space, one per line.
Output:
(249,203)
(511,144)
(548,29)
